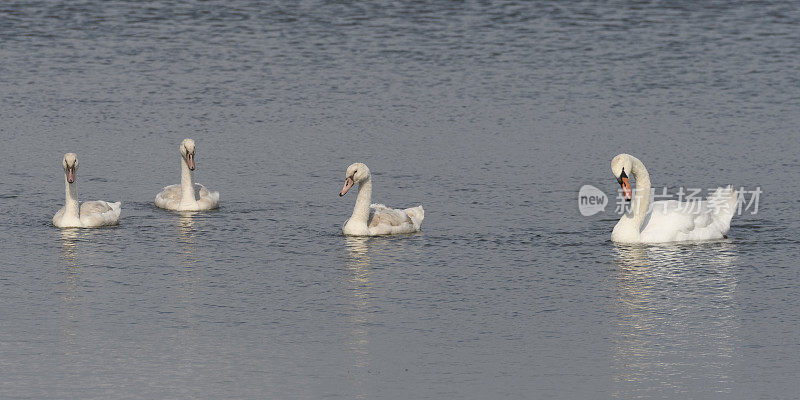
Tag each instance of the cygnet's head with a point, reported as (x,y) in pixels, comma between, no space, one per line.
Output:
(187,152)
(621,166)
(356,172)
(70,164)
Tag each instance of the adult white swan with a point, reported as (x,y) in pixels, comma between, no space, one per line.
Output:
(375,219)
(188,196)
(90,214)
(670,220)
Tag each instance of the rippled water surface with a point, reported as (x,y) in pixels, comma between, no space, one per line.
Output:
(489,114)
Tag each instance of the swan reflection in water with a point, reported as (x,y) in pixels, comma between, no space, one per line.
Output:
(187,273)
(675,326)
(69,288)
(184,307)
(186,234)
(359,290)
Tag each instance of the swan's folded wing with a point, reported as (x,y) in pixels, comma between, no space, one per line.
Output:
(417,214)
(723,204)
(169,197)
(691,220)
(667,221)
(384,220)
(380,214)
(58,215)
(713,217)
(95,207)
(205,197)
(100,213)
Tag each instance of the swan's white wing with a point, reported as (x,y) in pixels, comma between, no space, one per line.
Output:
(206,199)
(699,220)
(667,221)
(723,204)
(386,221)
(59,213)
(100,213)
(169,197)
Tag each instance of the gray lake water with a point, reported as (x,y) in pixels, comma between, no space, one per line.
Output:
(490,114)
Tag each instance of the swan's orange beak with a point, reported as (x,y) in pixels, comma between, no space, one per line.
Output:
(348,183)
(70,174)
(190,161)
(626,188)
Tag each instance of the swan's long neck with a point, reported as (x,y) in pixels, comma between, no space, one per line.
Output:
(361,210)
(187,184)
(71,194)
(641,200)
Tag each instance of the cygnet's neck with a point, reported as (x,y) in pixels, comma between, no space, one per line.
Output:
(361,210)
(187,184)
(71,194)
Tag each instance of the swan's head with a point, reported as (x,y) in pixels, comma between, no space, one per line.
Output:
(70,164)
(621,166)
(187,152)
(356,172)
